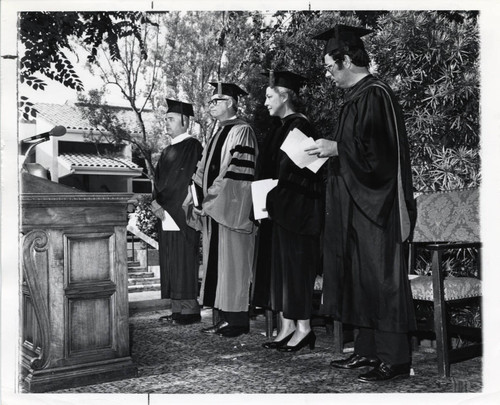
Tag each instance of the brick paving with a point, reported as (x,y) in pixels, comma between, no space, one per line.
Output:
(180,359)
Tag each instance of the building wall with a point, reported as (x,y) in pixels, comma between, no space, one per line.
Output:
(46,154)
(97,183)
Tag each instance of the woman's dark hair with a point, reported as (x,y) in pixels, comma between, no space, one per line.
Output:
(359,56)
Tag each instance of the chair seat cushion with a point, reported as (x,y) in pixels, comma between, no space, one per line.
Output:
(455,288)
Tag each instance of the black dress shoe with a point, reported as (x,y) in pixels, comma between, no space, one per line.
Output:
(355,361)
(213,329)
(232,330)
(187,319)
(309,339)
(386,372)
(279,343)
(169,318)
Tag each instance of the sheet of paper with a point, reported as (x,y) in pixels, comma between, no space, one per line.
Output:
(294,146)
(291,146)
(260,189)
(168,223)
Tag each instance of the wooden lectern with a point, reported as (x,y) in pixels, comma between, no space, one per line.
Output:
(74,324)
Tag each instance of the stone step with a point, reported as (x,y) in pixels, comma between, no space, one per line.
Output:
(144,287)
(141,274)
(132,263)
(137,269)
(136,281)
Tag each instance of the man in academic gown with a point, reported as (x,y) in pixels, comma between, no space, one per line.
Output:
(179,250)
(223,178)
(370,212)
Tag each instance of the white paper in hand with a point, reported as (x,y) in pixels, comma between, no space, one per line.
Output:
(291,146)
(294,146)
(260,189)
(168,223)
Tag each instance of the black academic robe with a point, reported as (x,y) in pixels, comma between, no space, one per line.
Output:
(296,209)
(179,250)
(266,168)
(367,205)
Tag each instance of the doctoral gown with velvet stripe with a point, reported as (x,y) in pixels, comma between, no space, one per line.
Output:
(225,174)
(367,205)
(178,250)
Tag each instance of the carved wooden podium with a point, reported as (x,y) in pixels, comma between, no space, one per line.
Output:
(74,325)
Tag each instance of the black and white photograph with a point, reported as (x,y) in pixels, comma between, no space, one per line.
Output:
(249,202)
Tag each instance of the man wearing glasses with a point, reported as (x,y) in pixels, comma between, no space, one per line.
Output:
(370,212)
(223,177)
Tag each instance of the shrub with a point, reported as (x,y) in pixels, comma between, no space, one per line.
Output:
(147,222)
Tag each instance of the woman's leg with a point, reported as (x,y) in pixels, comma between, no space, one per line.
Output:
(287,327)
(302,330)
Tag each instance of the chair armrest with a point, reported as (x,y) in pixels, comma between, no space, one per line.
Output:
(448,245)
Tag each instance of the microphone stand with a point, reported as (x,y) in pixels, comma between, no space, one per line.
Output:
(24,166)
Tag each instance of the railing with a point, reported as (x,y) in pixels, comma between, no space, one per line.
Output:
(134,230)
(134,235)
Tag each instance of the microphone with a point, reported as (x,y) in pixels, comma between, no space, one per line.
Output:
(56,131)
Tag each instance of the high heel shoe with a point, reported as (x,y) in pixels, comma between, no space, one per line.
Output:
(279,343)
(309,339)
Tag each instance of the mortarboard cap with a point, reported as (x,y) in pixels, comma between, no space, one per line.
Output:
(342,35)
(228,89)
(180,107)
(286,79)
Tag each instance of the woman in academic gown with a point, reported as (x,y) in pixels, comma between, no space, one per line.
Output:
(296,210)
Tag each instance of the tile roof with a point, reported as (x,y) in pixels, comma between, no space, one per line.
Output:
(72,116)
(82,160)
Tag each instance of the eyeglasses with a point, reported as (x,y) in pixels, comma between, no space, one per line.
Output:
(330,68)
(215,101)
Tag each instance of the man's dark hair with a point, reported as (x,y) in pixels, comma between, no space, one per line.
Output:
(359,56)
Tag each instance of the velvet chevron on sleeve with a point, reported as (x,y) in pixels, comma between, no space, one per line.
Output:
(227,193)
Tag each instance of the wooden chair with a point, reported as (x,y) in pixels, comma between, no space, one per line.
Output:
(446,220)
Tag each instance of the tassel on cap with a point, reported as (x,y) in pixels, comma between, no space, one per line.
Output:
(271,78)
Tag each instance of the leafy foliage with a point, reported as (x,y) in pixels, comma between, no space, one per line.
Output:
(192,60)
(136,84)
(448,169)
(431,61)
(45,36)
(147,222)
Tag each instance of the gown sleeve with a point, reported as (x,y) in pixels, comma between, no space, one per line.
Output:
(228,200)
(175,169)
(297,202)
(369,154)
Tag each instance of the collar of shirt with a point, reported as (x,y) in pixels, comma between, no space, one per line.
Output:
(180,138)
(221,124)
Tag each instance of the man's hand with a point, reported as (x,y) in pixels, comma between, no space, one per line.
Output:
(324,148)
(199,212)
(157,210)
